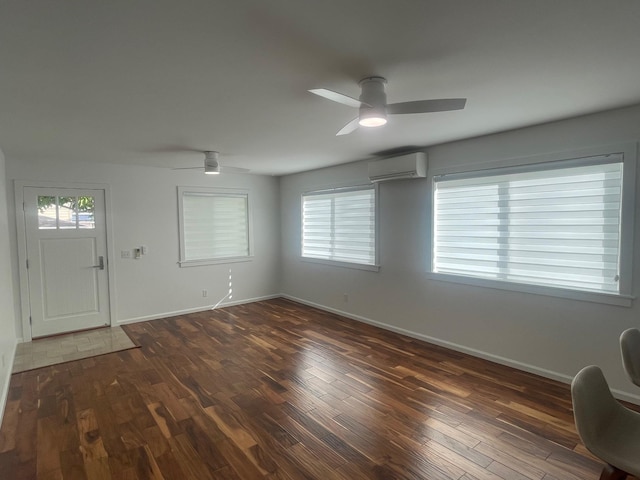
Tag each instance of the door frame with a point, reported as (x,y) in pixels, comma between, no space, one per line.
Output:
(21,229)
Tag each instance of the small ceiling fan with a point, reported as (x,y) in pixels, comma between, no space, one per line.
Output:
(374,108)
(212,165)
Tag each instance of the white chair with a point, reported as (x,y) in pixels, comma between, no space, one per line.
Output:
(630,348)
(610,431)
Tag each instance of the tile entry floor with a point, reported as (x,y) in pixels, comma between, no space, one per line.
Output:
(43,352)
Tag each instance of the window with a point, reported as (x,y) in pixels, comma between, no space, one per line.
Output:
(61,212)
(554,225)
(214,226)
(339,226)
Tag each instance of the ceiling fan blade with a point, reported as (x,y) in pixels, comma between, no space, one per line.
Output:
(187,168)
(349,127)
(427,106)
(224,169)
(337,97)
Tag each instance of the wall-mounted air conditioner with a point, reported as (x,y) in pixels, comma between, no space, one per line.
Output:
(410,165)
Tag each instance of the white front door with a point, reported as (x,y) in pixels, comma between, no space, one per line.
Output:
(66,259)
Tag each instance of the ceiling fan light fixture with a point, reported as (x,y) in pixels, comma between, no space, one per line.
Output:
(376,121)
(371,117)
(373,112)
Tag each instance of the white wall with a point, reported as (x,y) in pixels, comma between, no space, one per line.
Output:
(7,311)
(144,211)
(551,336)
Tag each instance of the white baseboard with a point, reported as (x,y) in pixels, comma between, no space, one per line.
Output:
(5,376)
(157,316)
(561,377)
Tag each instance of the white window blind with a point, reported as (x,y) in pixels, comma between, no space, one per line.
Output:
(339,225)
(543,225)
(215,226)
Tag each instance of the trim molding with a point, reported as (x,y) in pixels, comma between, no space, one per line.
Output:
(186,311)
(560,377)
(4,388)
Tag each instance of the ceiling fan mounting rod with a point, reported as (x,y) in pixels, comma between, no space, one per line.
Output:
(373,78)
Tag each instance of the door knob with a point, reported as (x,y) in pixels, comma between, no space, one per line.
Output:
(100,263)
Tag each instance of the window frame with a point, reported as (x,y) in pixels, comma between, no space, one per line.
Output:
(336,189)
(213,191)
(628,151)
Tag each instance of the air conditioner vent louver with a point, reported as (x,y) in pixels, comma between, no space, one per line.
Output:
(411,165)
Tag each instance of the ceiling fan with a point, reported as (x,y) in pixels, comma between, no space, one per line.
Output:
(212,165)
(374,108)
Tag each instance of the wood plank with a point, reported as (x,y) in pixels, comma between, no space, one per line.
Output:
(9,426)
(47,455)
(281,391)
(91,445)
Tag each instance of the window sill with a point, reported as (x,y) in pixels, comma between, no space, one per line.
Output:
(213,261)
(595,297)
(356,266)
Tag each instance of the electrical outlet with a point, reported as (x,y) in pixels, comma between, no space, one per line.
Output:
(125,254)
(345,297)
(205,293)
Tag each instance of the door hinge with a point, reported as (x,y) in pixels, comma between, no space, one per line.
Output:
(30,320)
(27,264)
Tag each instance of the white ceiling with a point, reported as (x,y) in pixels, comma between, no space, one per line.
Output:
(142,82)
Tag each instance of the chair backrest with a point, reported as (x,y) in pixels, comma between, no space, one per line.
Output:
(630,349)
(593,404)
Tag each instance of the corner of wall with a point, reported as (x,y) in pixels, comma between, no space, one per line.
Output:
(8,337)
(7,356)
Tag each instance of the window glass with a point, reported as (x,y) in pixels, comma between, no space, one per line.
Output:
(85,213)
(340,225)
(214,226)
(541,225)
(47,212)
(65,212)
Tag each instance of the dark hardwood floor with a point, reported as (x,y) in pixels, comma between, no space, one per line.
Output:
(278,390)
